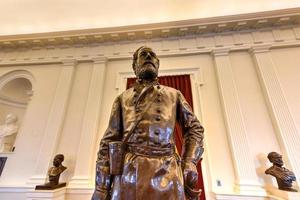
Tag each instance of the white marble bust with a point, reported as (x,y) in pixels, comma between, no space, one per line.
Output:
(7,132)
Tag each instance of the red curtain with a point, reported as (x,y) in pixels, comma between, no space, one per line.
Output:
(182,83)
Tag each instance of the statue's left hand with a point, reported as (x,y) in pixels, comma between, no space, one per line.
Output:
(101,195)
(190,175)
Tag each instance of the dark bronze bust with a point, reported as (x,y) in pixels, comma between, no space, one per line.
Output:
(137,157)
(54,174)
(284,177)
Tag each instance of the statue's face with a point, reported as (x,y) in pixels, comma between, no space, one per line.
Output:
(277,160)
(11,119)
(57,161)
(147,64)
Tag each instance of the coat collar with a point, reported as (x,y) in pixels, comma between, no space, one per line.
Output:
(142,87)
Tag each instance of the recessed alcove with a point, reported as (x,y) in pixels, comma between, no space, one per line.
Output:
(15,94)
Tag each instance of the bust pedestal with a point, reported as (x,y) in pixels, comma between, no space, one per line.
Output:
(50,186)
(285,194)
(58,194)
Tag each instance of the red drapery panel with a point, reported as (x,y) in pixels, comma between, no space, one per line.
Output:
(183,84)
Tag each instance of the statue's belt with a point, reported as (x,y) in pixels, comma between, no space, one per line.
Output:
(150,151)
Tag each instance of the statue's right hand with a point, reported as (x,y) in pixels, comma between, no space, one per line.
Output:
(101,195)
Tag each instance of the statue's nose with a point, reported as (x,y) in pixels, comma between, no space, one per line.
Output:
(148,56)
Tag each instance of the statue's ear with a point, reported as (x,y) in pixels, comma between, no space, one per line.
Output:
(134,68)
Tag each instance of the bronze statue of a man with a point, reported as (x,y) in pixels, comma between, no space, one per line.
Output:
(143,117)
(283,176)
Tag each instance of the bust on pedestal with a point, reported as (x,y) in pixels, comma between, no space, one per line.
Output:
(284,178)
(54,174)
(7,132)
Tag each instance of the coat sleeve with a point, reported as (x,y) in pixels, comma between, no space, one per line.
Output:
(192,131)
(112,133)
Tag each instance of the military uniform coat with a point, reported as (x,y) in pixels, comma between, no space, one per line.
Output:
(145,176)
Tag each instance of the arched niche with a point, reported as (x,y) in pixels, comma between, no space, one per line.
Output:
(16,89)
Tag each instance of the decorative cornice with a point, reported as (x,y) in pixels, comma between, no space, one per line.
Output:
(217,44)
(214,25)
(99,60)
(69,62)
(221,51)
(260,48)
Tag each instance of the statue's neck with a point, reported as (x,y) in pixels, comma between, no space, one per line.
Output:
(277,165)
(145,82)
(142,83)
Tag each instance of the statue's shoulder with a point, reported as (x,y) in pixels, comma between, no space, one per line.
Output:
(169,89)
(274,170)
(127,92)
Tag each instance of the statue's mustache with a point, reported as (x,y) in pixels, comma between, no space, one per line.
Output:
(149,62)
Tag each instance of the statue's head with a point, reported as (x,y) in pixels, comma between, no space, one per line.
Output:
(11,119)
(145,63)
(275,158)
(58,159)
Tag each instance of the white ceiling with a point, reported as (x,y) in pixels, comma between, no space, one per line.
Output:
(37,16)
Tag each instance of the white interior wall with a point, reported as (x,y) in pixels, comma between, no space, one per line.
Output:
(70,134)
(218,153)
(260,132)
(29,137)
(287,63)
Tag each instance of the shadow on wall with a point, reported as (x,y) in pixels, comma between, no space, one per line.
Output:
(263,164)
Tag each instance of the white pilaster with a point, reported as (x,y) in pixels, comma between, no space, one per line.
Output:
(84,162)
(288,135)
(246,179)
(54,123)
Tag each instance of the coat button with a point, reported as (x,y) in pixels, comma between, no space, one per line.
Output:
(158,110)
(157,118)
(156,132)
(158,87)
(159,94)
(158,100)
(140,131)
(135,95)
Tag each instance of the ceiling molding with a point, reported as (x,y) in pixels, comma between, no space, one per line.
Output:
(214,25)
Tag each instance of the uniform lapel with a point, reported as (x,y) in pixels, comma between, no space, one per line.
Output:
(144,91)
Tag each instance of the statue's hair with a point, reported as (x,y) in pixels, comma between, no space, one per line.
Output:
(271,155)
(60,157)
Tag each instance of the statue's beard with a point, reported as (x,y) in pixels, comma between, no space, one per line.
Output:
(147,72)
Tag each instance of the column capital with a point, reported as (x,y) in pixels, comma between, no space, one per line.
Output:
(261,48)
(220,52)
(69,62)
(99,59)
